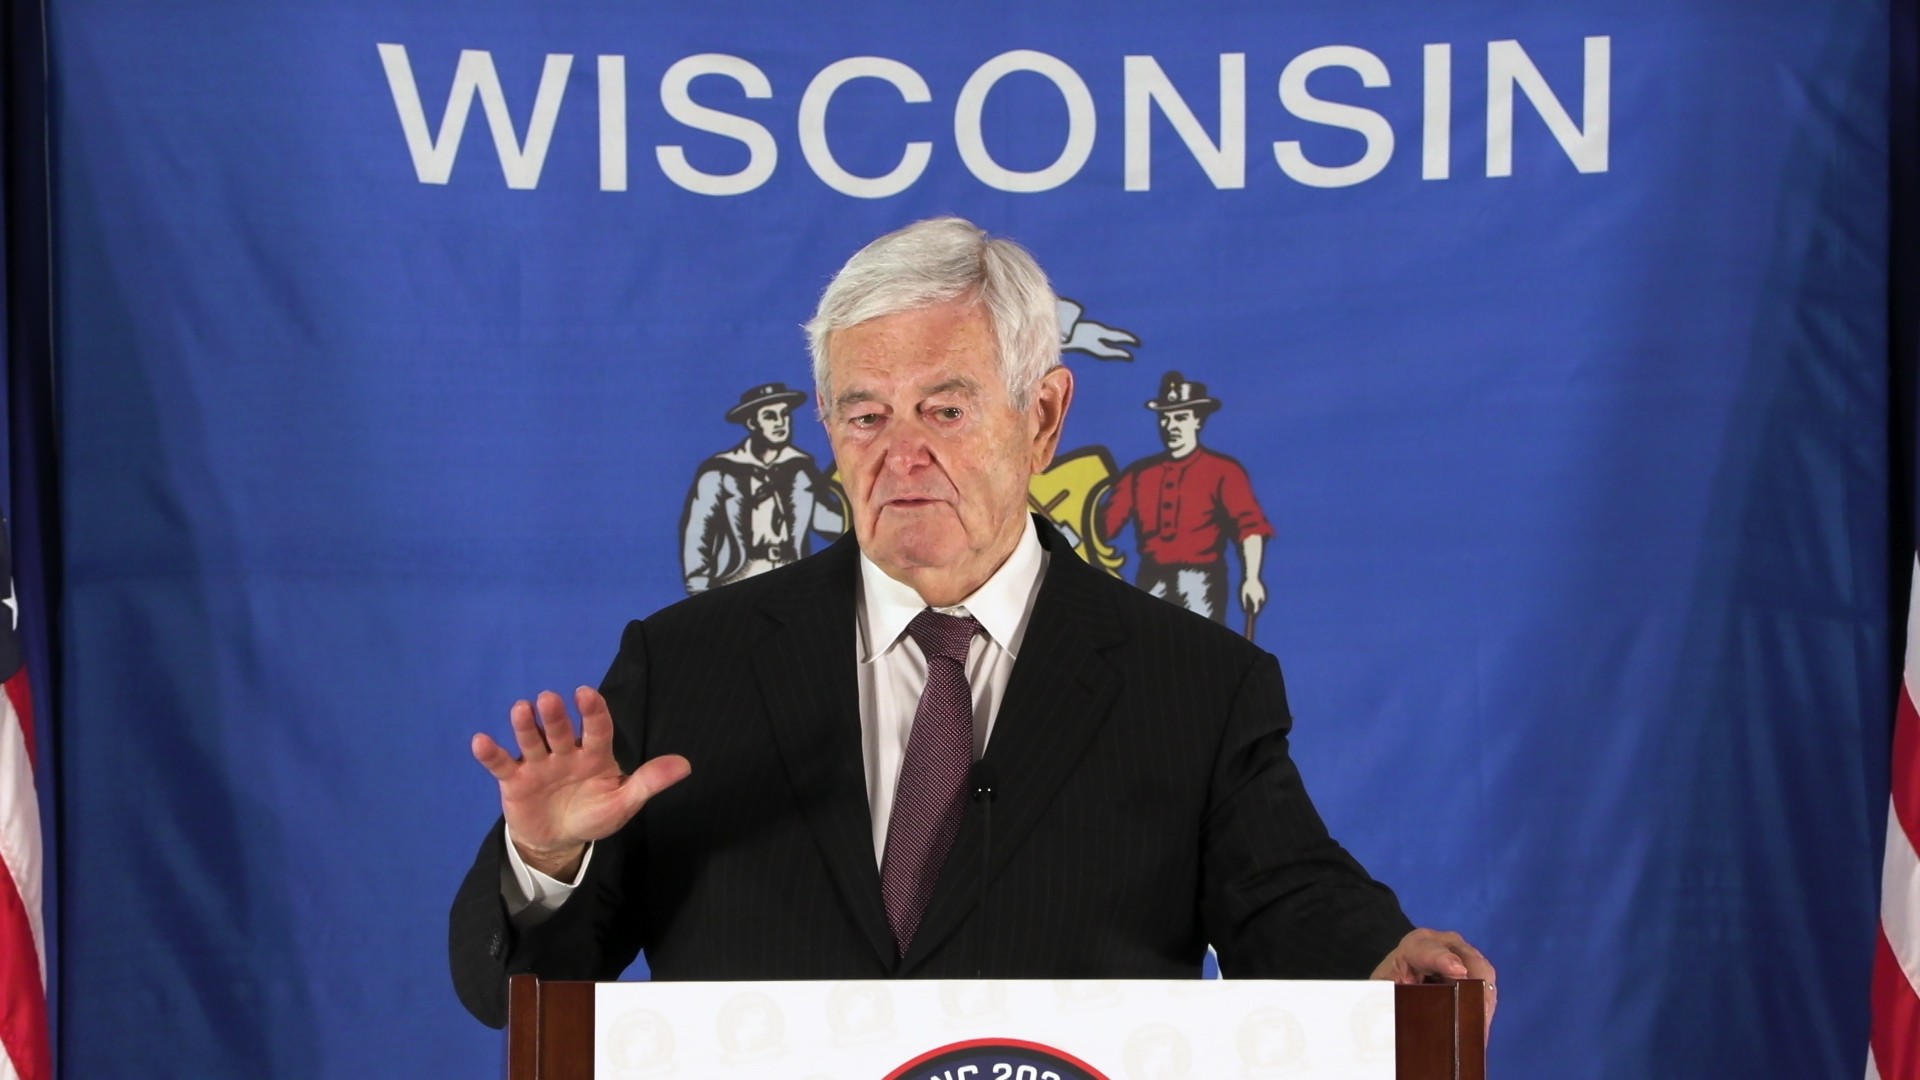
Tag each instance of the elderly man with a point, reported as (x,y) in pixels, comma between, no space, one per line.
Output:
(772,781)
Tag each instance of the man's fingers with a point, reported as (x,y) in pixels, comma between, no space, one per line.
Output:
(1435,958)
(596,721)
(1433,952)
(1425,953)
(533,744)
(1477,965)
(493,756)
(654,777)
(1425,959)
(553,716)
(662,773)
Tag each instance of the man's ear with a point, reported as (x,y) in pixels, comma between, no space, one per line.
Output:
(1052,397)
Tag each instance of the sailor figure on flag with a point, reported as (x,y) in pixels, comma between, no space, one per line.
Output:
(756,506)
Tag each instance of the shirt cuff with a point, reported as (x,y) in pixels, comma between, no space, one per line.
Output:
(532,896)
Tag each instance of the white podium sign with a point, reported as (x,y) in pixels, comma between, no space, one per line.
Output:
(994,1030)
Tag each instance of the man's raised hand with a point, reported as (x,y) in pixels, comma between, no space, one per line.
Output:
(566,791)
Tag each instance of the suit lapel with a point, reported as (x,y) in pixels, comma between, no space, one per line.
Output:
(807,675)
(1061,692)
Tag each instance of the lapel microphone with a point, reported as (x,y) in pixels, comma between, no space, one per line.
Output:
(985,780)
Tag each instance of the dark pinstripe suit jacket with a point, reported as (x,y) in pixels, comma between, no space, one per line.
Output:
(1147,807)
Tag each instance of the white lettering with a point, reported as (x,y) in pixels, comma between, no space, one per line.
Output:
(1220,153)
(1080,122)
(1586,145)
(813,126)
(762,152)
(433,155)
(1301,103)
(1436,143)
(1224,164)
(613,123)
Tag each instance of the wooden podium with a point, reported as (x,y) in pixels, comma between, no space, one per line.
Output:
(1439,1030)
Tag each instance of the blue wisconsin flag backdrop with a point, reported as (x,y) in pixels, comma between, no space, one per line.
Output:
(1518,366)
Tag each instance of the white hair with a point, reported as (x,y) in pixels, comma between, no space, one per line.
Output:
(939,261)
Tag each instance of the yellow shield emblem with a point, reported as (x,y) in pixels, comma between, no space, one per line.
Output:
(1068,494)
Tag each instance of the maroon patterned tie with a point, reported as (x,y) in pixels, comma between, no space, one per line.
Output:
(932,793)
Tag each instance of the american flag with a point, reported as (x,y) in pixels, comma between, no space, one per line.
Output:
(1895,1052)
(23,951)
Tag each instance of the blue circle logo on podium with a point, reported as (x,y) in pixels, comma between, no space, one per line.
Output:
(998,1059)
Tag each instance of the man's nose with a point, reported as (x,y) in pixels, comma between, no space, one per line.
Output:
(908,451)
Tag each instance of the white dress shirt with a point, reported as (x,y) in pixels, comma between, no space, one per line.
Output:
(892,673)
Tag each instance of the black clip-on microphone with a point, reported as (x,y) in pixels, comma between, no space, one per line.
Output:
(985,779)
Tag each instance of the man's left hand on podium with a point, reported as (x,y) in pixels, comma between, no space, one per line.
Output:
(1424,954)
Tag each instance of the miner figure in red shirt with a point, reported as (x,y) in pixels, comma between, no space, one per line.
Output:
(1187,505)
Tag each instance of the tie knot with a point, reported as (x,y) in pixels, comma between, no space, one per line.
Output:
(943,635)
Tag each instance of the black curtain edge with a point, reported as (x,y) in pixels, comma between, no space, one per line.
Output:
(1903,322)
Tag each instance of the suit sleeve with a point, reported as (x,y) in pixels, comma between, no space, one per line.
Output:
(1280,898)
(601,927)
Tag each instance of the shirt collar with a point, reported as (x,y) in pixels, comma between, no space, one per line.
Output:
(1001,605)
(744,455)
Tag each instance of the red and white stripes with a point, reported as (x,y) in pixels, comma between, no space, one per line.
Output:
(23,954)
(1896,966)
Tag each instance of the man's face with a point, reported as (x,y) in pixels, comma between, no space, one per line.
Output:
(934,457)
(774,423)
(1180,429)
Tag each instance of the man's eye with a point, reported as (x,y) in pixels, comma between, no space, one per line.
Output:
(948,413)
(866,420)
